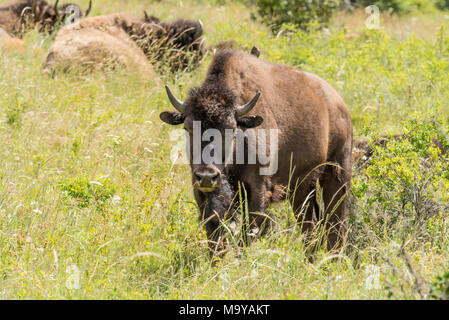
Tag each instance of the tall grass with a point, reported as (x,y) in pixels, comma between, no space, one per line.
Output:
(91,207)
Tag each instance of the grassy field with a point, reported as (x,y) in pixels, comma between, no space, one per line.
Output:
(91,207)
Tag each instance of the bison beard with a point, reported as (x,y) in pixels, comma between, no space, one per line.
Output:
(215,207)
(219,207)
(220,200)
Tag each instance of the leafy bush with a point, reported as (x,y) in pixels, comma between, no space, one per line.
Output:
(407,180)
(301,13)
(85,192)
(440,287)
(442,4)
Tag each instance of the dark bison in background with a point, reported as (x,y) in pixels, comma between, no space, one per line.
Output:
(363,150)
(16,16)
(314,142)
(178,43)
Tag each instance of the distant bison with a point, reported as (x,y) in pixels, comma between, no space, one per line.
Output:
(97,43)
(363,150)
(313,145)
(177,44)
(16,16)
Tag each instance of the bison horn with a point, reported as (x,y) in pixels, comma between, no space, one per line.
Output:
(179,105)
(56,8)
(88,9)
(242,110)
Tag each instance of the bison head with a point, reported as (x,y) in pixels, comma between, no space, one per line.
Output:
(150,19)
(212,117)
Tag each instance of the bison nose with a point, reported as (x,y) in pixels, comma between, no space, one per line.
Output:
(206,176)
(206,181)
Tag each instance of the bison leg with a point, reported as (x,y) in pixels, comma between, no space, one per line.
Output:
(306,210)
(335,204)
(336,186)
(215,237)
(255,219)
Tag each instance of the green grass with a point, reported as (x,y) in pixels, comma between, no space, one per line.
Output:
(87,190)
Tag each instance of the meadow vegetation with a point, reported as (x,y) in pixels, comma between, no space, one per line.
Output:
(92,208)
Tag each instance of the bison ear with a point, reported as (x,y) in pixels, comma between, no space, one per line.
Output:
(172,118)
(250,121)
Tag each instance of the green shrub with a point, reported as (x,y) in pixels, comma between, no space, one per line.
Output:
(301,13)
(442,4)
(14,110)
(86,192)
(440,287)
(406,182)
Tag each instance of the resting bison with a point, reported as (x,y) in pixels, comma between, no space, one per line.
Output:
(314,143)
(363,151)
(16,16)
(97,43)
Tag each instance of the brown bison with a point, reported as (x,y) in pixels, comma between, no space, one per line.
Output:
(16,16)
(313,144)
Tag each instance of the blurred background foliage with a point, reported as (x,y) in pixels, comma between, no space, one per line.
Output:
(301,13)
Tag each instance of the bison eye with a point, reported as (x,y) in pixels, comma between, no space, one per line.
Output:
(250,121)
